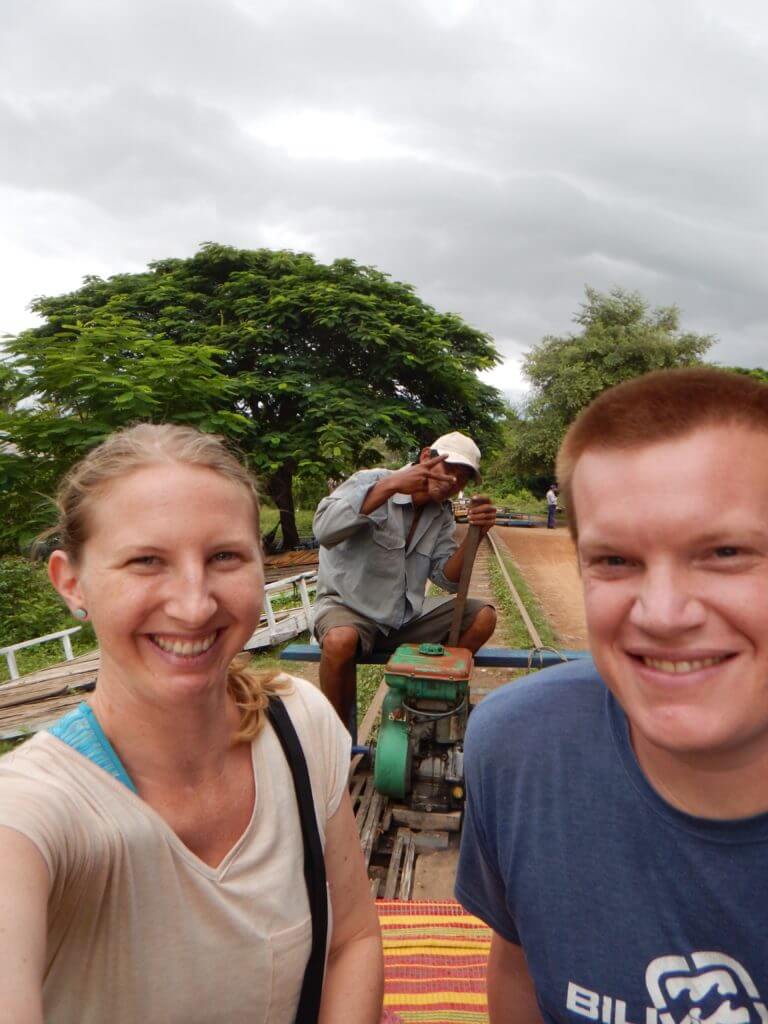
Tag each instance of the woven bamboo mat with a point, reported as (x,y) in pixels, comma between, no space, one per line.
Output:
(435,955)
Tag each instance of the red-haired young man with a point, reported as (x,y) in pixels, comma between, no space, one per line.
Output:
(616,835)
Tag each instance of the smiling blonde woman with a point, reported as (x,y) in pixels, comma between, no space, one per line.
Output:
(152,854)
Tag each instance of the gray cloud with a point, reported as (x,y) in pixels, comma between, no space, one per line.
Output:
(498,156)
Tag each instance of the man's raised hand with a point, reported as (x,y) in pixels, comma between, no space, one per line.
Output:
(415,478)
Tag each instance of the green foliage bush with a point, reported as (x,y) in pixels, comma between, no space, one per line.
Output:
(30,607)
(520,500)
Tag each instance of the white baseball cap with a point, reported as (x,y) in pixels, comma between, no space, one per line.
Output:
(459,449)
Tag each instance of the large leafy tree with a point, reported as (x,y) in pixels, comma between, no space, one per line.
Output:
(83,381)
(621,337)
(310,367)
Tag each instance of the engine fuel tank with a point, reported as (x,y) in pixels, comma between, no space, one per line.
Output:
(429,671)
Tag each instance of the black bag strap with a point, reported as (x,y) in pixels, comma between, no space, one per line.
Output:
(314,862)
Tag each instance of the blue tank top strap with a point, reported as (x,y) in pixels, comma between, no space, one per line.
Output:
(80,730)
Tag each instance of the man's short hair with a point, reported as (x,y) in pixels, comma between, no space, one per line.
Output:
(659,406)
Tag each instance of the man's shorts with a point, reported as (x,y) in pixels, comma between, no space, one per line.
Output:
(432,626)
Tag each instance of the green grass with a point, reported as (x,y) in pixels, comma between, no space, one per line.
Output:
(290,600)
(369,679)
(304,517)
(514,629)
(270,658)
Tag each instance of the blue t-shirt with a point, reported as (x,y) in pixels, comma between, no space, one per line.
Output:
(629,911)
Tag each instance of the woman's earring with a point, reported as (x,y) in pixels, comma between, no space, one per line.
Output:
(80,613)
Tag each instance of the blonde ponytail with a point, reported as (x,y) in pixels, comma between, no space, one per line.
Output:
(250,691)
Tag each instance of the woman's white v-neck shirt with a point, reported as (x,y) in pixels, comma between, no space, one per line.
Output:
(140,931)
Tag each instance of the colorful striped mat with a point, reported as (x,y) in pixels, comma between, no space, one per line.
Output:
(434,960)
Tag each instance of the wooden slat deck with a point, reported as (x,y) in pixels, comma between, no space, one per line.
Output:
(278,566)
(35,701)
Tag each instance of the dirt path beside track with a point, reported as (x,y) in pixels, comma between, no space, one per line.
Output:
(547,561)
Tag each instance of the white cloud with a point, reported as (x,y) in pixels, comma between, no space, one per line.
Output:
(507,377)
(330,135)
(499,156)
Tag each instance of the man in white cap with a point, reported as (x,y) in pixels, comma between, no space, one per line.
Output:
(383,534)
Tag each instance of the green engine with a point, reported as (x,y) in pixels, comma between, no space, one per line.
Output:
(420,749)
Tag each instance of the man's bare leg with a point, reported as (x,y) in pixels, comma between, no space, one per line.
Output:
(479,630)
(338,669)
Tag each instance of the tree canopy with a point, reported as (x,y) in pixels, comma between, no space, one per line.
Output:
(310,368)
(757,372)
(621,337)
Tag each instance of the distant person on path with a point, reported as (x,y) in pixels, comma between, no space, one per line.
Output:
(616,828)
(151,851)
(551,506)
(383,534)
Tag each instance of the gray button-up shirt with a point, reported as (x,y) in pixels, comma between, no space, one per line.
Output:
(364,563)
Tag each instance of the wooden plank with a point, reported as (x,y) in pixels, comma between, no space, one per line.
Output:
(277,567)
(371,828)
(394,864)
(406,875)
(357,784)
(15,723)
(28,706)
(64,670)
(31,693)
(365,803)
(434,821)
(429,840)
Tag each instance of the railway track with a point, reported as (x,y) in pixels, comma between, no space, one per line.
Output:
(410,854)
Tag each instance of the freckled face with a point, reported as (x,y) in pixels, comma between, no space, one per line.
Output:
(673,553)
(172,578)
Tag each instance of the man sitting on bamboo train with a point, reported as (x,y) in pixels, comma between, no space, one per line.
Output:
(383,534)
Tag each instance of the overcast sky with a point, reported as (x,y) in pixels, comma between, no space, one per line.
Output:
(499,156)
